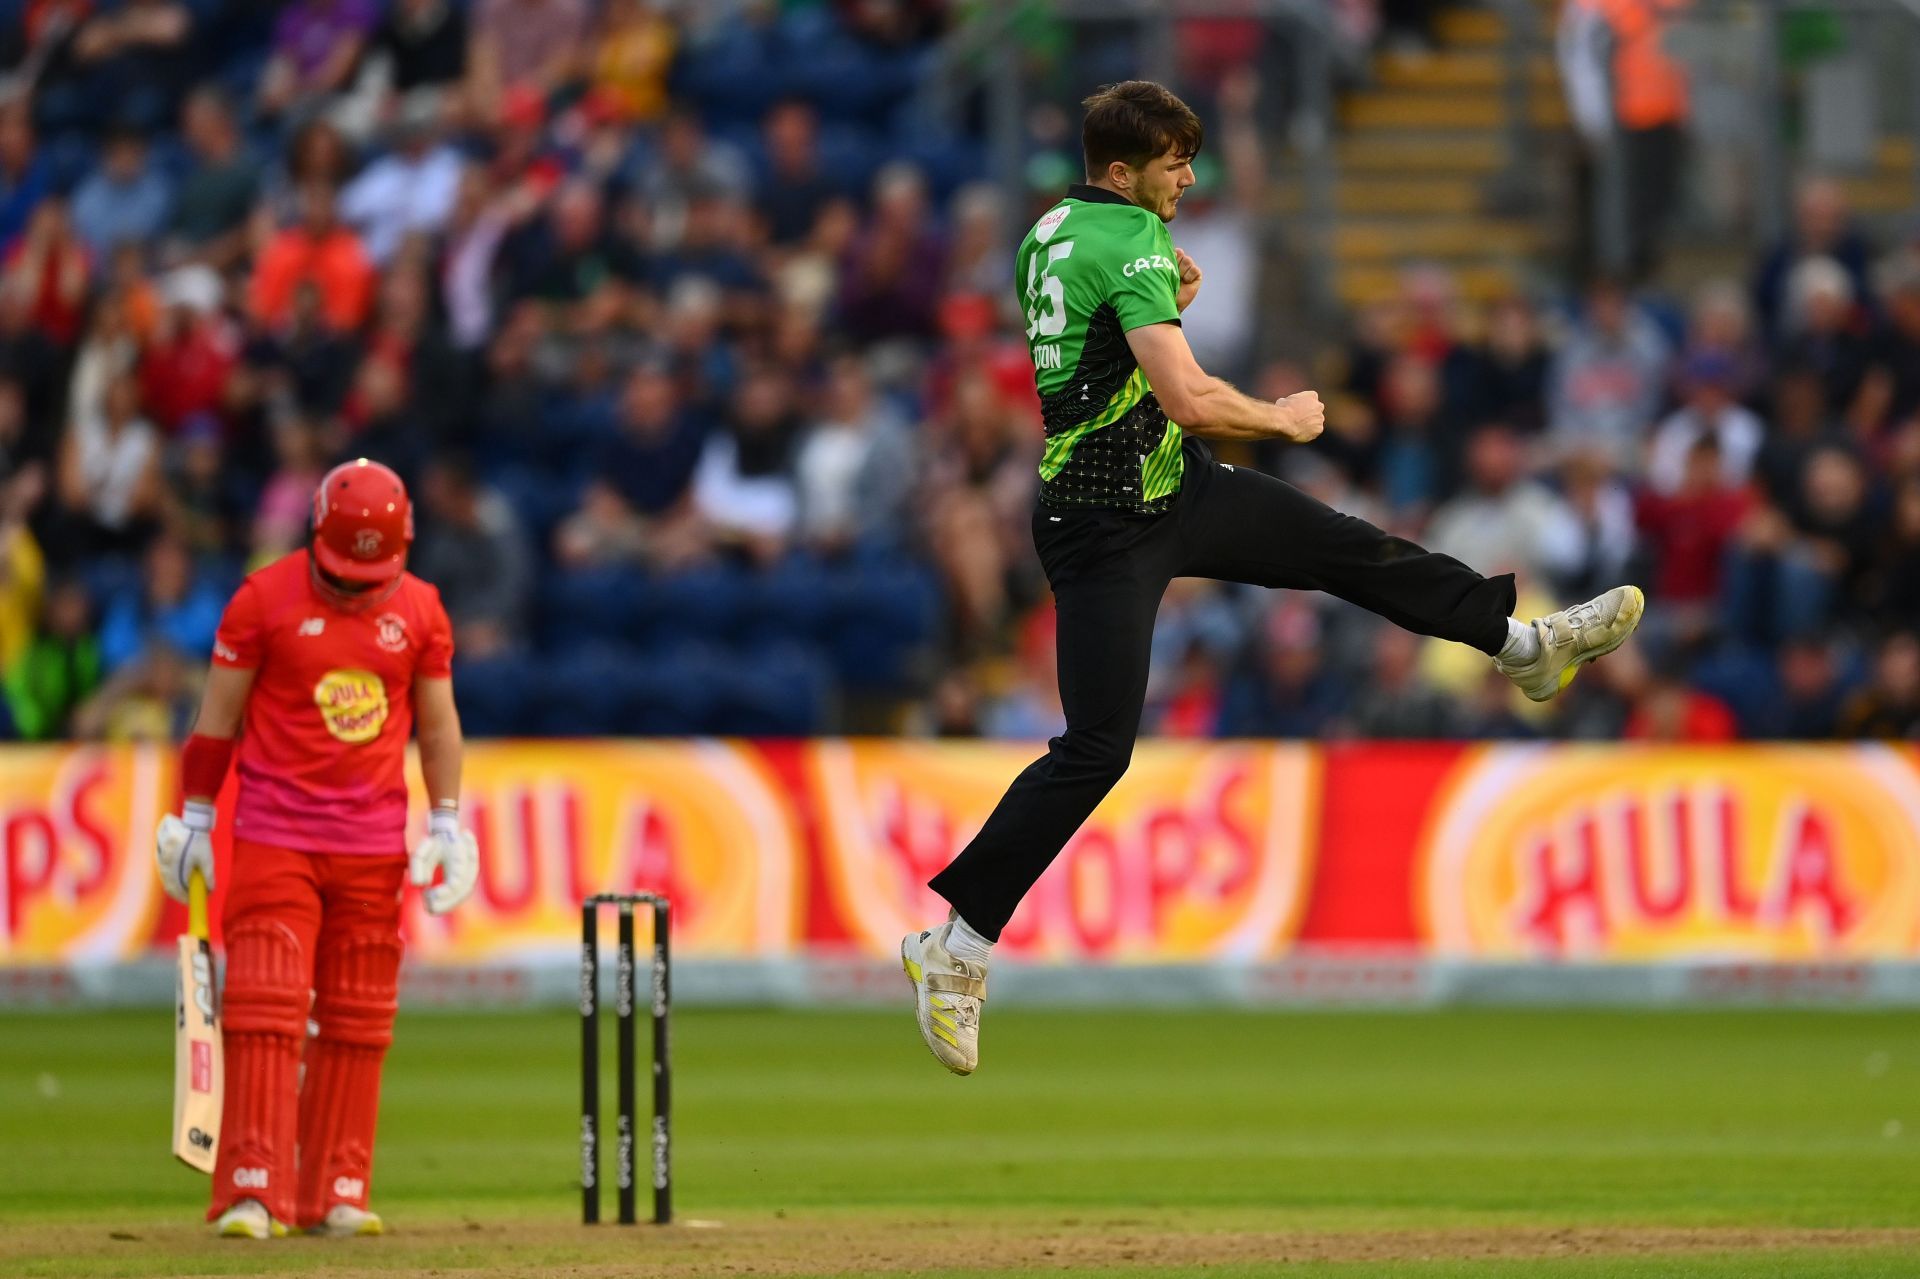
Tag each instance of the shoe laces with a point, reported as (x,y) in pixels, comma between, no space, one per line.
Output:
(965,1009)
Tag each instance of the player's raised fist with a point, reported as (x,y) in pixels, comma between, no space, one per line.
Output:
(1304,417)
(1189,279)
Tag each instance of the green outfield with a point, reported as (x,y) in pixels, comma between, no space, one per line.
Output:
(1109,1142)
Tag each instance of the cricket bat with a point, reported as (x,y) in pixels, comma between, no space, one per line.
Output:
(199,1072)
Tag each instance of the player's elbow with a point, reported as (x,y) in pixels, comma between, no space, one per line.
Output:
(1187,404)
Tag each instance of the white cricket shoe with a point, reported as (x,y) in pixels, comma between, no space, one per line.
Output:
(248,1219)
(1573,637)
(344,1221)
(947,996)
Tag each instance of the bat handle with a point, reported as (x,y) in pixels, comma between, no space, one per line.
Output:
(197,905)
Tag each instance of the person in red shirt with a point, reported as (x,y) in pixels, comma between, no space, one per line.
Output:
(318,252)
(324,662)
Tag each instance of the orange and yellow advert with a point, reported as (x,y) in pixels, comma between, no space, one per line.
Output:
(1763,852)
(1203,851)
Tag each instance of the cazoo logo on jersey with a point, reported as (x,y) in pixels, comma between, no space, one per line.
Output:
(1156,262)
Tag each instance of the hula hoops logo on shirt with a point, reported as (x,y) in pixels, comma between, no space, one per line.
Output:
(353,704)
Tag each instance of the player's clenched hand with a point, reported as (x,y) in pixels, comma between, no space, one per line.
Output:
(1302,416)
(1189,279)
(453,853)
(183,845)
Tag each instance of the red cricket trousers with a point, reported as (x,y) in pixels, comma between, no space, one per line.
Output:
(309,936)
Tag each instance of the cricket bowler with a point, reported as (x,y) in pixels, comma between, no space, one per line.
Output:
(323,663)
(1131,498)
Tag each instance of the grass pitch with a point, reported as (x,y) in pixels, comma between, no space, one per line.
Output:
(1113,1143)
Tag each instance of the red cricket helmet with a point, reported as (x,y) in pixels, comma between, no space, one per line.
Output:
(362,523)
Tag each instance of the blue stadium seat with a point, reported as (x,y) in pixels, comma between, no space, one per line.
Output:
(775,691)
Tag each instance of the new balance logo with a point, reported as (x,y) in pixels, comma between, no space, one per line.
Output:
(313,626)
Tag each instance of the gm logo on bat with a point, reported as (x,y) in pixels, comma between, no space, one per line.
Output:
(201,1138)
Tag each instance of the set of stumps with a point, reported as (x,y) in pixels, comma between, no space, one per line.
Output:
(625,1179)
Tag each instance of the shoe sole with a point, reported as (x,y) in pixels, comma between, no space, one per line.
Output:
(1631,612)
(914,974)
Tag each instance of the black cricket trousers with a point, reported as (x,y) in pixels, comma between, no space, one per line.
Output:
(1109,569)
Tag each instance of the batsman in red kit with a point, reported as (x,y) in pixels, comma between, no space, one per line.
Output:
(324,662)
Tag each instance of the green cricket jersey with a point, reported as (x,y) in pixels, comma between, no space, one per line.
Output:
(1093,267)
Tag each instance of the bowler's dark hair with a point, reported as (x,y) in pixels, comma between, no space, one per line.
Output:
(1133,122)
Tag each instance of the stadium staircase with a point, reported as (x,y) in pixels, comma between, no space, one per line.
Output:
(1425,150)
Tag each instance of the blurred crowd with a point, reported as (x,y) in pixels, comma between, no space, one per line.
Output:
(694,339)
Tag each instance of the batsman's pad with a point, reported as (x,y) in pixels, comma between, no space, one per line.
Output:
(354,1006)
(265,1020)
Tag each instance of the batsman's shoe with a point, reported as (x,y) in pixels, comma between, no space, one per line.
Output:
(248,1219)
(1573,637)
(947,994)
(344,1221)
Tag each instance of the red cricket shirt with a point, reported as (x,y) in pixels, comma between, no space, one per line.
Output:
(323,746)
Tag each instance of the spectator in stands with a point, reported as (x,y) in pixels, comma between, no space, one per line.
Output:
(1811,694)
(1029,710)
(1720,325)
(885,293)
(633,51)
(110,471)
(152,699)
(1889,707)
(1629,97)
(1890,392)
(1800,423)
(1413,456)
(424,45)
(25,179)
(286,501)
(135,56)
(571,259)
(318,252)
(1667,710)
(217,195)
(1488,714)
(1689,529)
(192,351)
(1894,594)
(1823,228)
(207,500)
(854,467)
(687,162)
(316,49)
(1395,702)
(1502,519)
(48,268)
(407,192)
(472,547)
(1608,379)
(1822,330)
(316,153)
(57,670)
(174,606)
(1507,376)
(978,264)
(976,500)
(1708,410)
(636,507)
(532,45)
(796,186)
(1602,510)
(1285,689)
(743,486)
(1218,228)
(23,569)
